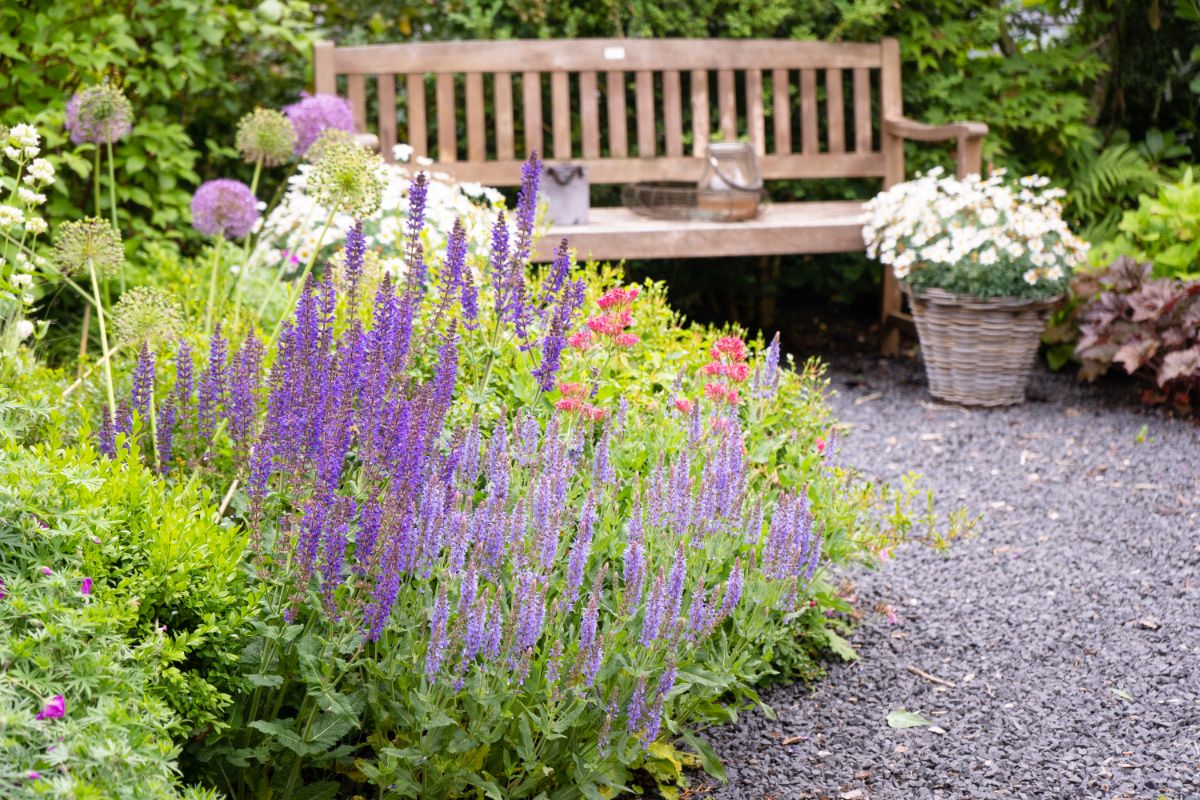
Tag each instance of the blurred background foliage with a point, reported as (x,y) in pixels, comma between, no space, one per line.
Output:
(1101,95)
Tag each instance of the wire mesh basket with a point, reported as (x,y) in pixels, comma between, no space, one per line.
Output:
(674,200)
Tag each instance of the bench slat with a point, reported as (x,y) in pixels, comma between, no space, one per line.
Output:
(808,112)
(645,114)
(805,227)
(782,116)
(446,119)
(701,114)
(604,54)
(531,102)
(476,135)
(618,142)
(415,89)
(685,168)
(862,110)
(755,120)
(672,114)
(727,105)
(385,86)
(357,89)
(589,114)
(835,111)
(560,110)
(503,98)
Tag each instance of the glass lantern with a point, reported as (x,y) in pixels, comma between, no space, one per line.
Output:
(731,186)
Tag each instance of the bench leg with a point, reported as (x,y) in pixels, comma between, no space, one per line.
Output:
(890,331)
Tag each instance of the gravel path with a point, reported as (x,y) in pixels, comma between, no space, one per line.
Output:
(1064,634)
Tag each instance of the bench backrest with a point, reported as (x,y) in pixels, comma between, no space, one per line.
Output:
(806,106)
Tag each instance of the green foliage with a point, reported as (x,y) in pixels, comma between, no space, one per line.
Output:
(186,65)
(165,571)
(1163,230)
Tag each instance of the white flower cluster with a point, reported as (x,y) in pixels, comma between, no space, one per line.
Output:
(293,229)
(19,227)
(943,220)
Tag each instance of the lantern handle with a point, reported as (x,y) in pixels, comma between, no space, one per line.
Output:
(732,184)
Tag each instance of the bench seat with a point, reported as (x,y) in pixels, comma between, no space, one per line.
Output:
(781,228)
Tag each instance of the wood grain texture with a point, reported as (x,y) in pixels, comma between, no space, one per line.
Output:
(386,90)
(447,114)
(476,133)
(531,103)
(672,113)
(809,143)
(324,68)
(727,105)
(589,114)
(417,127)
(835,111)
(618,131)
(644,84)
(560,113)
(755,118)
(782,114)
(502,97)
(356,89)
(862,111)
(701,113)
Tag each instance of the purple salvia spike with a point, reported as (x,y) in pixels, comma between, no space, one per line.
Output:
(143,383)
(166,435)
(414,252)
(673,599)
(369,523)
(437,635)
(653,616)
(355,253)
(636,710)
(498,266)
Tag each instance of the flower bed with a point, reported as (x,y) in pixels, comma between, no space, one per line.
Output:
(444,529)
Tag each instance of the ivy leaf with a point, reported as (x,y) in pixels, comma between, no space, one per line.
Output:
(906,719)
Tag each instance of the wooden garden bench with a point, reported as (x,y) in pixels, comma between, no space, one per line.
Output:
(811,110)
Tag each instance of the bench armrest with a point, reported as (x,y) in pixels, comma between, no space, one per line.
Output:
(969,135)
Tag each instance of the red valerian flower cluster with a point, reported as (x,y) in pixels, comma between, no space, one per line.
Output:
(574,400)
(728,363)
(611,324)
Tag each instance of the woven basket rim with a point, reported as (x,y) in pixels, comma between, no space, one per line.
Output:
(942,297)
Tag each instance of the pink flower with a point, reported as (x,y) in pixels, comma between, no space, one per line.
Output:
(33,775)
(56,707)
(821,445)
(595,414)
(568,404)
(86,586)
(627,340)
(581,340)
(3,594)
(732,347)
(683,404)
(47,571)
(616,297)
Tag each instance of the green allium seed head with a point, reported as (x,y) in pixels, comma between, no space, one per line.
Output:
(347,177)
(266,134)
(92,239)
(326,139)
(144,314)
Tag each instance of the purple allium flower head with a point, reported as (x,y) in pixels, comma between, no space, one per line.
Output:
(99,114)
(143,383)
(437,635)
(225,208)
(314,114)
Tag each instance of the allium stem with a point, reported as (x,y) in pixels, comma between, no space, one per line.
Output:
(112,200)
(108,380)
(237,300)
(96,180)
(299,287)
(212,286)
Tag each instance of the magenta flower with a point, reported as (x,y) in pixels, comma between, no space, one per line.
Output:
(33,775)
(3,594)
(224,207)
(47,571)
(55,708)
(315,114)
(86,586)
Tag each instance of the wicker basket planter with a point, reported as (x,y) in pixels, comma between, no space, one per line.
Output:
(978,352)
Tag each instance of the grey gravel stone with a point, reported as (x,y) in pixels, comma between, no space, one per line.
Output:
(1069,622)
